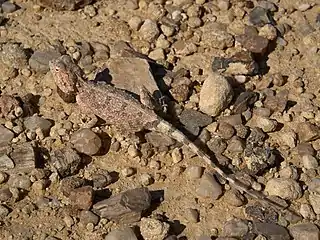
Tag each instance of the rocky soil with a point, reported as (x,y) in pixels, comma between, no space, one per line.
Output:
(240,78)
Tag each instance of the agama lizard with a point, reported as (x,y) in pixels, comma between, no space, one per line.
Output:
(120,108)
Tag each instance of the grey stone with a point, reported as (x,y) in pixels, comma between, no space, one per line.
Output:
(271,231)
(193,120)
(287,189)
(307,212)
(39,60)
(314,185)
(88,217)
(235,228)
(209,187)
(34,122)
(307,132)
(149,30)
(253,43)
(305,231)
(86,141)
(310,162)
(20,181)
(215,95)
(4,211)
(314,200)
(8,7)
(259,16)
(121,234)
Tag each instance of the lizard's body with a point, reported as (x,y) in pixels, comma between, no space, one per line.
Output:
(121,109)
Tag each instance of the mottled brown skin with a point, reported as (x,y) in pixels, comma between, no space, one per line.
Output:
(121,109)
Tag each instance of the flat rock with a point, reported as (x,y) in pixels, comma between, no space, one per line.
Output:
(8,105)
(61,5)
(305,231)
(159,139)
(314,200)
(125,207)
(253,43)
(235,228)
(215,95)
(86,141)
(136,69)
(121,234)
(39,60)
(14,55)
(209,187)
(307,132)
(34,122)
(193,120)
(259,16)
(271,231)
(287,189)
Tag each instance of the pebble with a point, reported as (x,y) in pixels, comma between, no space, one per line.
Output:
(157,54)
(5,136)
(176,155)
(5,194)
(271,231)
(268,31)
(82,197)
(146,179)
(39,60)
(225,130)
(86,141)
(121,234)
(20,181)
(236,145)
(128,171)
(168,31)
(289,172)
(68,220)
(192,215)
(88,217)
(266,124)
(149,30)
(8,7)
(193,120)
(159,140)
(287,189)
(35,122)
(194,172)
(234,198)
(314,200)
(3,177)
(307,132)
(13,55)
(209,187)
(304,231)
(215,95)
(90,10)
(259,16)
(253,43)
(133,151)
(153,229)
(101,180)
(235,228)
(309,162)
(215,35)
(180,93)
(314,185)
(307,212)
(4,211)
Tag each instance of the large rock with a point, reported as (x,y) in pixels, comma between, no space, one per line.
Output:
(287,189)
(215,95)
(305,231)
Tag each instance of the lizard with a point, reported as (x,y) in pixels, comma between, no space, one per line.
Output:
(120,108)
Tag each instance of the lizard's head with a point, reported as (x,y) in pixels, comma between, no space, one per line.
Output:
(65,75)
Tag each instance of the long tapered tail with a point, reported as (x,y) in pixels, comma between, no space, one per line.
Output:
(170,130)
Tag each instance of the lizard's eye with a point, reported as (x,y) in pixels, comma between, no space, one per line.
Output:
(57,69)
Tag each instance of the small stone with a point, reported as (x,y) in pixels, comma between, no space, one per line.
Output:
(39,60)
(149,30)
(223,5)
(307,212)
(159,140)
(236,145)
(128,171)
(86,141)
(305,231)
(153,229)
(180,93)
(266,124)
(146,179)
(271,231)
(20,181)
(303,7)
(5,136)
(14,55)
(268,31)
(35,122)
(176,155)
(157,54)
(194,172)
(310,162)
(209,187)
(307,132)
(121,234)
(253,43)
(88,217)
(215,35)
(289,172)
(133,151)
(68,220)
(314,185)
(259,16)
(234,198)
(8,7)
(225,130)
(167,30)
(215,95)
(193,120)
(4,211)
(5,194)
(90,10)
(82,198)
(101,180)
(314,200)
(235,228)
(287,189)
(3,177)
(191,215)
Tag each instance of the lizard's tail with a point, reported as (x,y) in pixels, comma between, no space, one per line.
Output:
(170,130)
